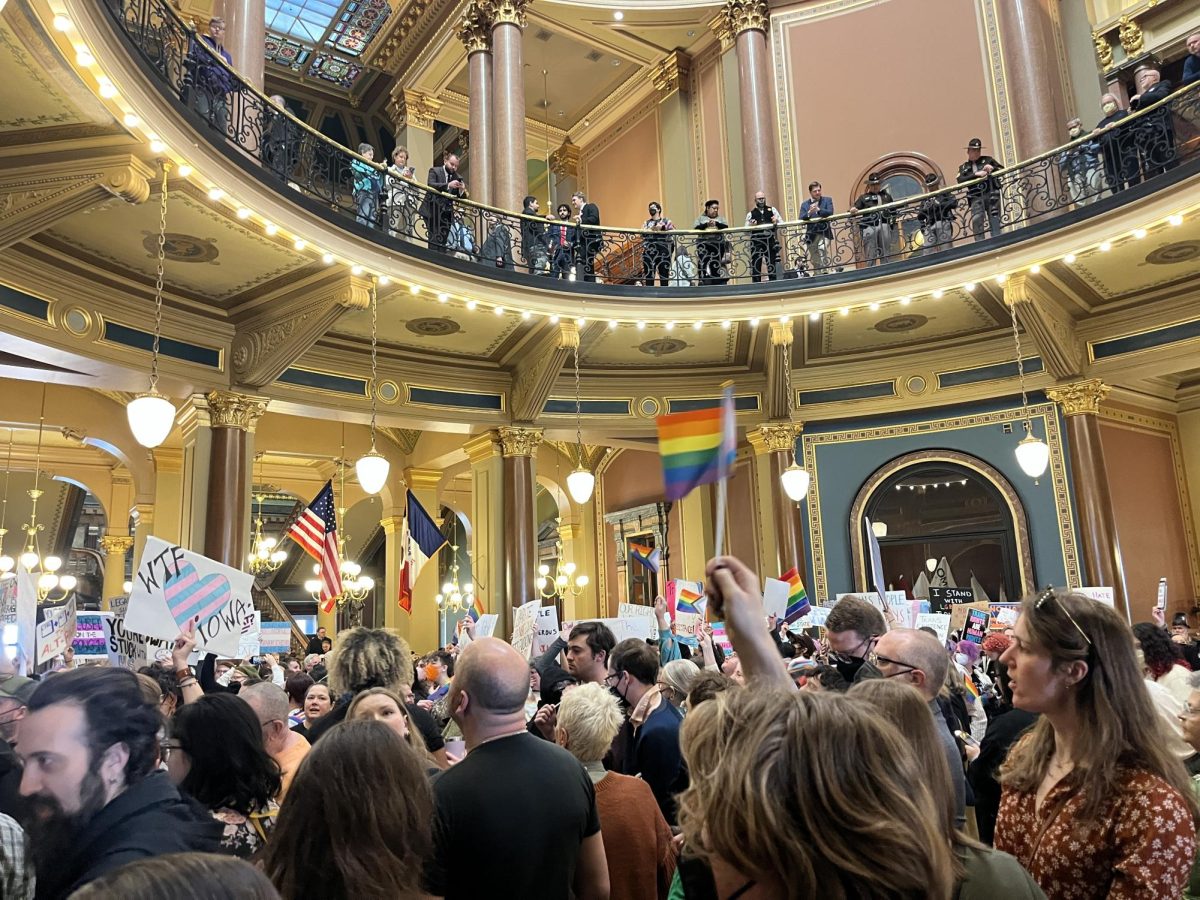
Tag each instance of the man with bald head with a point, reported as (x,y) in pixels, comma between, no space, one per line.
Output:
(906,654)
(517,818)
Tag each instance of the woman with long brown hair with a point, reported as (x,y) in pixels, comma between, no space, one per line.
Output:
(1093,803)
(356,823)
(384,705)
(797,795)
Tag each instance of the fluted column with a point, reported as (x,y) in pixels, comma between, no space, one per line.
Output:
(518,448)
(231,417)
(511,168)
(777,442)
(116,549)
(748,20)
(1036,91)
(1080,404)
(475,31)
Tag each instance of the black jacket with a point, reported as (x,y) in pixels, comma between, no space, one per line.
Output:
(149,819)
(439,179)
(989,185)
(590,238)
(533,237)
(869,200)
(1160,91)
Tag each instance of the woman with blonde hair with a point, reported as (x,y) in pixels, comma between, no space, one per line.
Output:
(828,809)
(384,705)
(675,680)
(363,658)
(1093,804)
(979,870)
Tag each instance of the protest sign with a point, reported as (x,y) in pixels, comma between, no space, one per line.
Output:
(275,637)
(959,611)
(642,617)
(721,638)
(249,642)
(942,598)
(525,627)
(977,625)
(56,631)
(678,589)
(173,586)
(905,611)
(815,617)
(547,629)
(775,598)
(1099,594)
(486,626)
(939,622)
(91,641)
(1004,615)
(632,627)
(125,649)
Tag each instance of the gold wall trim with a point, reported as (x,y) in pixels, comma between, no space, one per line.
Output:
(408,400)
(997,75)
(1170,429)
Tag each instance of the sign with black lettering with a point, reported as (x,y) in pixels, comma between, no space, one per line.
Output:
(941,598)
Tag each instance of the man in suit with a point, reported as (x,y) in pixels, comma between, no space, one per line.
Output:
(1116,146)
(1154,133)
(817,231)
(983,196)
(590,240)
(437,209)
(533,238)
(1191,65)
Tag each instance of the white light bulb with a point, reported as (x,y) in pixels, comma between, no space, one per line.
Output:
(754,322)
(1069,259)
(84,58)
(554,320)
(132,121)
(185,171)
(471,304)
(384,281)
(580,484)
(300,243)
(499,310)
(414,289)
(1139,233)
(215,194)
(526,315)
(669,326)
(1105,246)
(443,298)
(62,23)
(108,90)
(243,213)
(327,258)
(151,417)
(1034,269)
(939,294)
(873,306)
(29,559)
(612,324)
(795,482)
(696,326)
(372,470)
(271,229)
(157,146)
(641,326)
(354,270)
(814,317)
(1176,219)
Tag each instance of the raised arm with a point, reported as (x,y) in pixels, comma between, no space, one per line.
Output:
(735,599)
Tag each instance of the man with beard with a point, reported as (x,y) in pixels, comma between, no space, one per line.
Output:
(95,798)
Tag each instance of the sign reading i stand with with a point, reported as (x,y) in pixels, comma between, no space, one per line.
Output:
(942,597)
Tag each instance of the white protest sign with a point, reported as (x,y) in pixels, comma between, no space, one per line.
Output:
(869,597)
(1005,616)
(939,622)
(249,642)
(905,611)
(125,648)
(817,616)
(632,627)
(642,617)
(486,626)
(1100,594)
(525,627)
(173,586)
(547,629)
(56,631)
(775,597)
(275,637)
(895,597)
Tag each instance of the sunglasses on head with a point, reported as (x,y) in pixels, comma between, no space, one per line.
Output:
(1048,595)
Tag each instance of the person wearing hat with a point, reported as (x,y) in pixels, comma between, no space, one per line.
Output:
(983,194)
(1154,134)
(936,215)
(876,226)
(15,692)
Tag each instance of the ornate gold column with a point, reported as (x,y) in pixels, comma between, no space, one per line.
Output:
(1080,404)
(511,171)
(393,615)
(475,31)
(231,416)
(519,447)
(748,20)
(412,116)
(671,78)
(564,167)
(1036,94)
(777,442)
(116,549)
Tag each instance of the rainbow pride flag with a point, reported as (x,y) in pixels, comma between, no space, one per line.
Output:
(697,447)
(971,689)
(797,605)
(685,602)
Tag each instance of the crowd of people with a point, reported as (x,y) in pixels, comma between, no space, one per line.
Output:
(864,760)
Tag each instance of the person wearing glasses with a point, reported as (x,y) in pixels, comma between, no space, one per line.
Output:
(1093,803)
(851,630)
(908,655)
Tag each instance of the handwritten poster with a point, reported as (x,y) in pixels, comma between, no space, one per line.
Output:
(640,617)
(547,629)
(56,631)
(91,639)
(525,627)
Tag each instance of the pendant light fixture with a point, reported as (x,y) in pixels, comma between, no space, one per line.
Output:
(7,563)
(373,468)
(581,482)
(795,478)
(42,570)
(151,415)
(1033,454)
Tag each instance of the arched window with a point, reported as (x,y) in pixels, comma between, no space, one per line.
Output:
(903,176)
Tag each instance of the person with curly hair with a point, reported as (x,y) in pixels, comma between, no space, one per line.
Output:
(363,658)
(1164,661)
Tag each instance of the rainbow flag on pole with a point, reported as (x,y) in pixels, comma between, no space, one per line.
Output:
(697,447)
(797,604)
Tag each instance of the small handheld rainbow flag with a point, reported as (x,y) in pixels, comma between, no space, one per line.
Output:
(971,689)
(697,447)
(797,604)
(686,601)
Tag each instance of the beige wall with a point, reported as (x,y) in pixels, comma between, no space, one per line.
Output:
(710,100)
(622,173)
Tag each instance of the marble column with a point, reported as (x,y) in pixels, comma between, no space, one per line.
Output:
(487,527)
(564,172)
(1101,551)
(670,77)
(1036,94)
(116,549)
(475,31)
(748,20)
(226,527)
(245,36)
(775,442)
(412,115)
(510,164)
(518,448)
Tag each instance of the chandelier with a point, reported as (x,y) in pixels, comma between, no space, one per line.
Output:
(7,563)
(1033,454)
(581,481)
(42,570)
(356,587)
(564,582)
(373,467)
(455,598)
(265,557)
(795,478)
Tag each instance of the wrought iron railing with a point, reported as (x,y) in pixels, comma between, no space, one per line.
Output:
(396,211)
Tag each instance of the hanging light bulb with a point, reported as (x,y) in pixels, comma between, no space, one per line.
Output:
(1033,454)
(795,478)
(373,468)
(581,482)
(151,415)
(931,565)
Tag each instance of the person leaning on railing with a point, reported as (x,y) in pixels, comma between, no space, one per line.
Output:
(1080,166)
(936,215)
(714,250)
(400,203)
(983,189)
(656,247)
(1153,134)
(534,241)
(438,207)
(211,83)
(876,226)
(366,186)
(815,211)
(764,240)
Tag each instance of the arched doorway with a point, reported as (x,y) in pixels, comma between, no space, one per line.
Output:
(945,506)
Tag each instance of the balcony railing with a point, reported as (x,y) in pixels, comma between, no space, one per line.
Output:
(1148,146)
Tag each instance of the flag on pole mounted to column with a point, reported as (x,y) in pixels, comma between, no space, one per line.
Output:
(420,540)
(316,533)
(797,603)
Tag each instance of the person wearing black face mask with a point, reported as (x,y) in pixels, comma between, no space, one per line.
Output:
(656,247)
(852,628)
(764,241)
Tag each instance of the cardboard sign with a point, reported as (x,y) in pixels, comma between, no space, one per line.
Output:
(977,625)
(1004,615)
(525,627)
(906,612)
(173,586)
(56,631)
(91,639)
(641,617)
(939,622)
(125,649)
(959,611)
(275,637)
(775,597)
(944,597)
(486,625)
(1101,594)
(547,629)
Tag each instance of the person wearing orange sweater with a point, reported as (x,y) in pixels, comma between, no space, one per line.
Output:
(637,840)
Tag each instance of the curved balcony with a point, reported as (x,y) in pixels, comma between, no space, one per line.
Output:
(1084,181)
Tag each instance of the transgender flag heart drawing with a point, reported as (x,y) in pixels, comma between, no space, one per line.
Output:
(190,597)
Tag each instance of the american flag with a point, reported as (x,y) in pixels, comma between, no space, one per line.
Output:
(316,533)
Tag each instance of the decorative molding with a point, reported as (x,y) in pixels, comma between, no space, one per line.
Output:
(564,162)
(745,15)
(1104,51)
(481,448)
(1080,398)
(227,409)
(1130,35)
(509,12)
(116,543)
(408,32)
(539,369)
(518,440)
(412,108)
(404,438)
(475,27)
(775,437)
(671,74)
(1051,328)
(719,25)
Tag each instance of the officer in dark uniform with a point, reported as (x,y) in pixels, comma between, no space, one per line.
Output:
(936,215)
(983,196)
(876,226)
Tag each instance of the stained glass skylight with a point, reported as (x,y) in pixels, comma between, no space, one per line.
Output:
(305,20)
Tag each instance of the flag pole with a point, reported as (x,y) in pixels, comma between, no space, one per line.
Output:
(723,481)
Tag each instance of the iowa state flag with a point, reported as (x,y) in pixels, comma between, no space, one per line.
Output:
(419,541)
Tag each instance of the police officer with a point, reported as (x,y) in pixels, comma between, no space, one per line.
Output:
(983,196)
(936,215)
(876,226)
(764,240)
